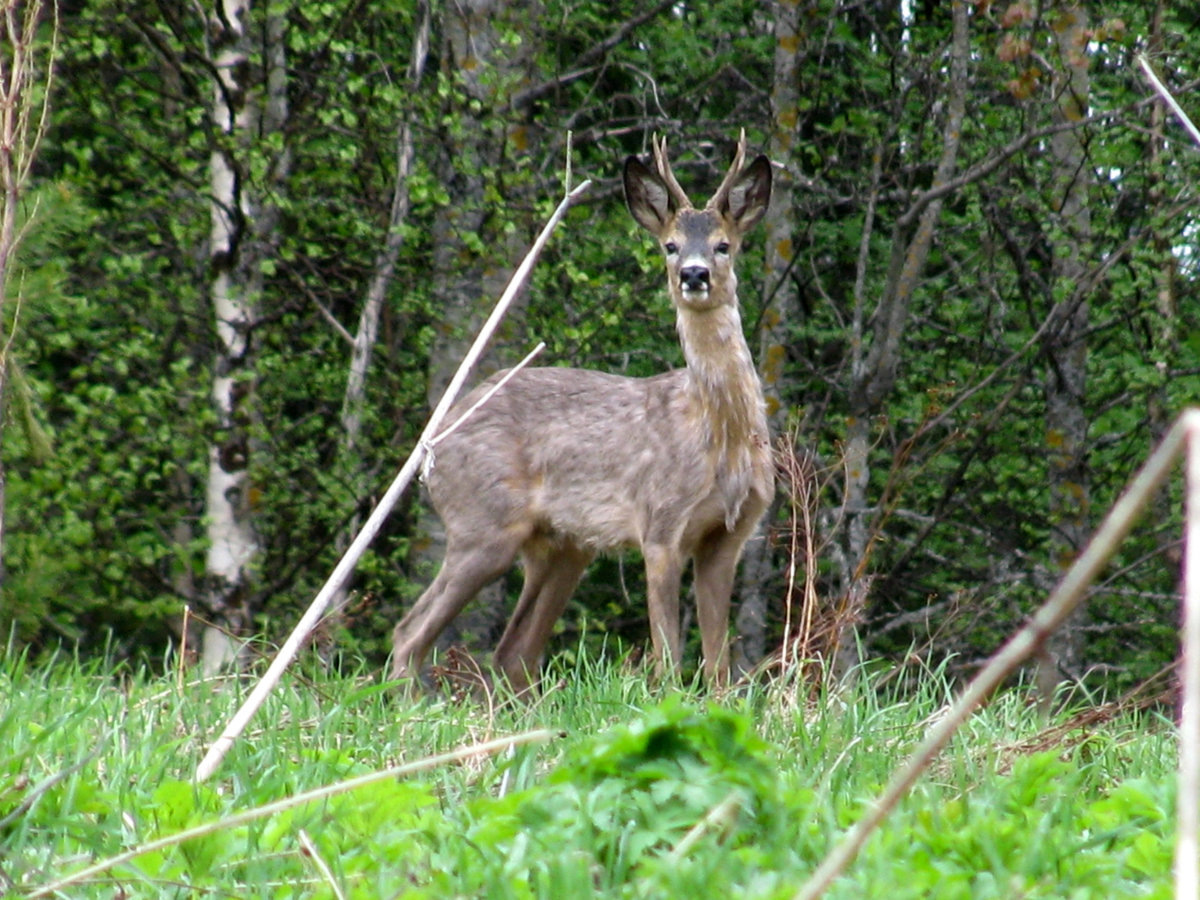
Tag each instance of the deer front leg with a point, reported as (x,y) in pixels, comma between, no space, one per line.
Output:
(664,568)
(715,565)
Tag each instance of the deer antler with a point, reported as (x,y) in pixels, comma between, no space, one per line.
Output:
(735,169)
(665,173)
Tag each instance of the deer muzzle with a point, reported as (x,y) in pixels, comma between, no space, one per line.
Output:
(694,278)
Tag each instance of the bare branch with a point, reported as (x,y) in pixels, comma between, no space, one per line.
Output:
(1187,846)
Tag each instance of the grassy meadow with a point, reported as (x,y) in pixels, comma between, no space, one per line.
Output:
(631,792)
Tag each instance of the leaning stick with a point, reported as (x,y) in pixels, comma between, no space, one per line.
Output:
(341,573)
(1061,602)
(1167,98)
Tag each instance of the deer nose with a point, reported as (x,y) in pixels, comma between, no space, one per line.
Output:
(694,278)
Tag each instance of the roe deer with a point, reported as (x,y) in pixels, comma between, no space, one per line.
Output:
(561,464)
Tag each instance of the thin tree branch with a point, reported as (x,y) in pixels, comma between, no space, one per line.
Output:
(1187,846)
(339,329)
(363,342)
(987,166)
(882,359)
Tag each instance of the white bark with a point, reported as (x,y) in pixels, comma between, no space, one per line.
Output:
(241,237)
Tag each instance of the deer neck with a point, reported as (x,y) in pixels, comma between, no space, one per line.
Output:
(724,392)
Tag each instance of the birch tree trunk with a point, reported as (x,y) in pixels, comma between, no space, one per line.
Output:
(780,311)
(249,105)
(1065,345)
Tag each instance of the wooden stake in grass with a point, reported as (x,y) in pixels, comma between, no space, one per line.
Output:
(1187,846)
(341,573)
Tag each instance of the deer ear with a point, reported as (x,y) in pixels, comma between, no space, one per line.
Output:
(749,195)
(647,196)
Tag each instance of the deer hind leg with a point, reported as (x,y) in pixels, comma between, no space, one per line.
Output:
(715,565)
(551,573)
(664,568)
(467,567)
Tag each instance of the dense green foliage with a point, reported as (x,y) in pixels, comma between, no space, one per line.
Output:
(637,796)
(105,533)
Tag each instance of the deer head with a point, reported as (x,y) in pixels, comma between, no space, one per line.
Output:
(700,245)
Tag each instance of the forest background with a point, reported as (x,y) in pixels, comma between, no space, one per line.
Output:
(260,236)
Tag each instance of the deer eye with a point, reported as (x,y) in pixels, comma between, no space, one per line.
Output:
(723,248)
(671,247)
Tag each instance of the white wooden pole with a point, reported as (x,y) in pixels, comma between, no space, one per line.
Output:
(1187,850)
(354,552)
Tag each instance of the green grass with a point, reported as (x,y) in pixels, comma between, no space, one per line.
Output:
(644,794)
